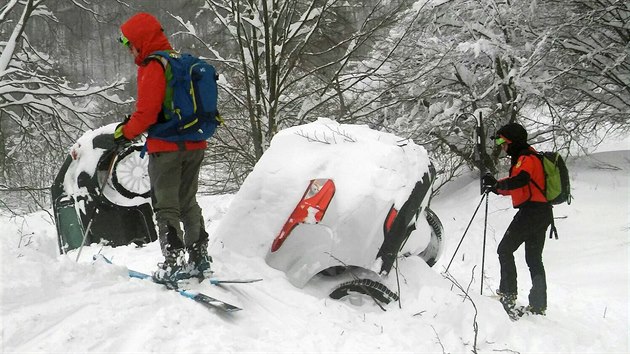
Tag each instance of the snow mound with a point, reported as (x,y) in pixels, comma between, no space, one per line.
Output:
(362,162)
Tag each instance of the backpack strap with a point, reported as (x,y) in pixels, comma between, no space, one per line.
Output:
(162,61)
(540,158)
(553,231)
(531,179)
(161,56)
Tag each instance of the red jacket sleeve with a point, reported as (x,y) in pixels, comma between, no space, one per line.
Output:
(151,91)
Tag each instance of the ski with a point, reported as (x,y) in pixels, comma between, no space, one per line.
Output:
(201,298)
(216,281)
(187,283)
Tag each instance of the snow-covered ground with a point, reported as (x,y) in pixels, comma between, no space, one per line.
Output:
(50,303)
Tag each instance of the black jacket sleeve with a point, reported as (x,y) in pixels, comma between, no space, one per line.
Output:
(518,181)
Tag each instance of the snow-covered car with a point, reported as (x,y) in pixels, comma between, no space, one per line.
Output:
(105,190)
(338,197)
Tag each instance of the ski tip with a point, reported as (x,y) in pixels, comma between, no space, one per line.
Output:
(234,309)
(100,257)
(217,281)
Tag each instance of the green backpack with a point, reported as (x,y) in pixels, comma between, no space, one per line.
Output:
(557,182)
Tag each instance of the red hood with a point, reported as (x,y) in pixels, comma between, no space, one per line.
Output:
(145,33)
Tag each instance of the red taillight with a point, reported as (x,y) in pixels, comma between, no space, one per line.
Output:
(309,210)
(389,220)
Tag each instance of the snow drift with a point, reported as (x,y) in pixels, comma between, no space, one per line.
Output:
(52,304)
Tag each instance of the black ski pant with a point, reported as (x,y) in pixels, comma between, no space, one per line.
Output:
(528,226)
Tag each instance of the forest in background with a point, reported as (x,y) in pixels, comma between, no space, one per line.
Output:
(424,70)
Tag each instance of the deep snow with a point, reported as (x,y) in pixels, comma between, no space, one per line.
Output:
(52,304)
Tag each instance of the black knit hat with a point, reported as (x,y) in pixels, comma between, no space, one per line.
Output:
(513,132)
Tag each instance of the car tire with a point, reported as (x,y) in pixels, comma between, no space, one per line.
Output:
(130,174)
(368,287)
(432,252)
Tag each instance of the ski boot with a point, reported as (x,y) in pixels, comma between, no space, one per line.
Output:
(199,262)
(172,269)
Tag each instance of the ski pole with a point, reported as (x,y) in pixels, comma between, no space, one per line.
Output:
(98,198)
(467,227)
(483,252)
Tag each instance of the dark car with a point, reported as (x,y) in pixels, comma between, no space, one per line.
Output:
(101,193)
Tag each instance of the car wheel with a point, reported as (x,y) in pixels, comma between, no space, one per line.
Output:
(130,176)
(367,287)
(432,252)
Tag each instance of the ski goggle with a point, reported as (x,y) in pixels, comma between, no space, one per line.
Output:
(501,140)
(122,39)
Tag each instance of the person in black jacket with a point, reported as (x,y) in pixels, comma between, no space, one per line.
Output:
(530,222)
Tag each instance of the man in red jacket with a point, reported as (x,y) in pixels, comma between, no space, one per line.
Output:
(530,222)
(173,166)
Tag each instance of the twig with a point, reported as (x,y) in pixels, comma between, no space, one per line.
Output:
(313,139)
(29,240)
(344,134)
(437,336)
(506,350)
(327,139)
(466,296)
(398,284)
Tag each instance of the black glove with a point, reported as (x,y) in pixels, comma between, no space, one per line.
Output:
(489,183)
(119,137)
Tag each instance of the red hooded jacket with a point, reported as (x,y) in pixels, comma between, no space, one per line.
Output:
(145,33)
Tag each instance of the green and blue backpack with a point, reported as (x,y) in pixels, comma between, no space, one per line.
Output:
(190,106)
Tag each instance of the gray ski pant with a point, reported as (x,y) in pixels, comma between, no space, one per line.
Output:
(174,182)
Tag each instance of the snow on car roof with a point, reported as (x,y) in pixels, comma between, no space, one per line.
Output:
(360,160)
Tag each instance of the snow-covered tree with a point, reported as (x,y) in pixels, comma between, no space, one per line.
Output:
(588,66)
(286,61)
(560,68)
(41,113)
(463,59)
